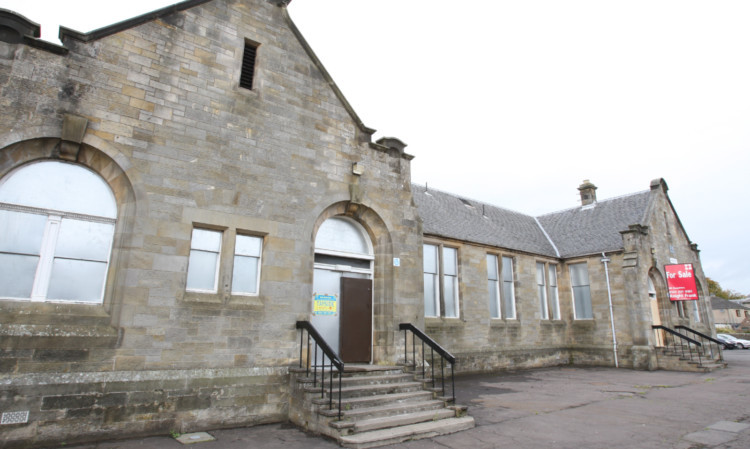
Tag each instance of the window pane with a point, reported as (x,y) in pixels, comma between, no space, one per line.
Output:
(553,275)
(17,275)
(245,275)
(494,300)
(491,266)
(509,306)
(507,269)
(582,297)
(76,189)
(579,274)
(77,280)
(449,261)
(202,270)
(430,295)
(246,245)
(430,259)
(21,232)
(554,303)
(84,240)
(206,240)
(449,283)
(339,234)
(540,273)
(346,261)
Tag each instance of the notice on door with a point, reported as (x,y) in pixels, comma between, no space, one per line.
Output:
(325,304)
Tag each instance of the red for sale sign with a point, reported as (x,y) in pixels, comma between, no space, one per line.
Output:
(681,282)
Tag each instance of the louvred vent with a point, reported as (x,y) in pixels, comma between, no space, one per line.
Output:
(248,66)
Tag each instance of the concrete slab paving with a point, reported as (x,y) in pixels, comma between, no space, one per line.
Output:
(558,408)
(728,426)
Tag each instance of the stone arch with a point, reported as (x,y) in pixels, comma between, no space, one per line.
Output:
(383,274)
(29,151)
(662,298)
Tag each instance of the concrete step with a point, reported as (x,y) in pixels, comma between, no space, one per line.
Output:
(380,411)
(386,422)
(360,380)
(355,391)
(400,434)
(377,400)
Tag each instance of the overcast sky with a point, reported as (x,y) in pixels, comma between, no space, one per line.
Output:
(517,102)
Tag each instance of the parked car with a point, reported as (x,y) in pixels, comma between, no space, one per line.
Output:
(731,340)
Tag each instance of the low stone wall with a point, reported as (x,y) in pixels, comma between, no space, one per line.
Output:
(67,408)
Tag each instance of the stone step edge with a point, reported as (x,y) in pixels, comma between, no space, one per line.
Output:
(364,388)
(395,435)
(383,410)
(385,399)
(386,422)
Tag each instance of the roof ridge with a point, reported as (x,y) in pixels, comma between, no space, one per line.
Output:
(598,202)
(461,197)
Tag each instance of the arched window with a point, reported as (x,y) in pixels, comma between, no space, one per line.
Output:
(57,222)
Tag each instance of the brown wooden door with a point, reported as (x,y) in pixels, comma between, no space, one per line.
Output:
(355,326)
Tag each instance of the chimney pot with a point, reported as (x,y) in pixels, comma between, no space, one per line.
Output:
(588,192)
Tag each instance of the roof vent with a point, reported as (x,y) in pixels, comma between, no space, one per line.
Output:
(588,193)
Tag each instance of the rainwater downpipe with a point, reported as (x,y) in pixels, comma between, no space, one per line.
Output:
(611,315)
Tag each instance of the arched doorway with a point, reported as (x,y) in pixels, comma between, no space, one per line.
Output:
(653,297)
(342,288)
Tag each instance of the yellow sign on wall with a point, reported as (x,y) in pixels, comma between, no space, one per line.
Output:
(325,305)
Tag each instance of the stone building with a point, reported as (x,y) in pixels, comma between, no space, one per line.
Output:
(178,189)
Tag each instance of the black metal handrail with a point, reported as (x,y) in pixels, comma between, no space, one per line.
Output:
(327,352)
(445,356)
(711,341)
(682,339)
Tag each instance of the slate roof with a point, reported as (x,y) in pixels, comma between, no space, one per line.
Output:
(572,232)
(723,304)
(447,215)
(582,231)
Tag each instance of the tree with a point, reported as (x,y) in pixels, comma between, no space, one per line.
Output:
(714,289)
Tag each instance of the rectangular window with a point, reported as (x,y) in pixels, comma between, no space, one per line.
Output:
(554,301)
(450,281)
(203,265)
(541,283)
(431,289)
(246,270)
(248,66)
(440,271)
(579,280)
(493,286)
(509,298)
(738,312)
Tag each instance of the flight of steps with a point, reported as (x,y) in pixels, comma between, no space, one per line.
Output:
(380,405)
(672,359)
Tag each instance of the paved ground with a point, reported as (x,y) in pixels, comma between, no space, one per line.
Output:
(559,408)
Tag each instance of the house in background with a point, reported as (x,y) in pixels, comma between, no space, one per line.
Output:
(728,313)
(179,190)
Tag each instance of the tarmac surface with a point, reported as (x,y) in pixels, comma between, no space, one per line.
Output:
(556,408)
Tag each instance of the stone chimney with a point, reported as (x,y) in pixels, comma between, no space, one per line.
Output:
(588,193)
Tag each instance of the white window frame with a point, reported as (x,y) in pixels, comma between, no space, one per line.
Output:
(43,275)
(439,279)
(453,277)
(258,257)
(554,294)
(541,286)
(573,290)
(510,284)
(218,259)
(493,284)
